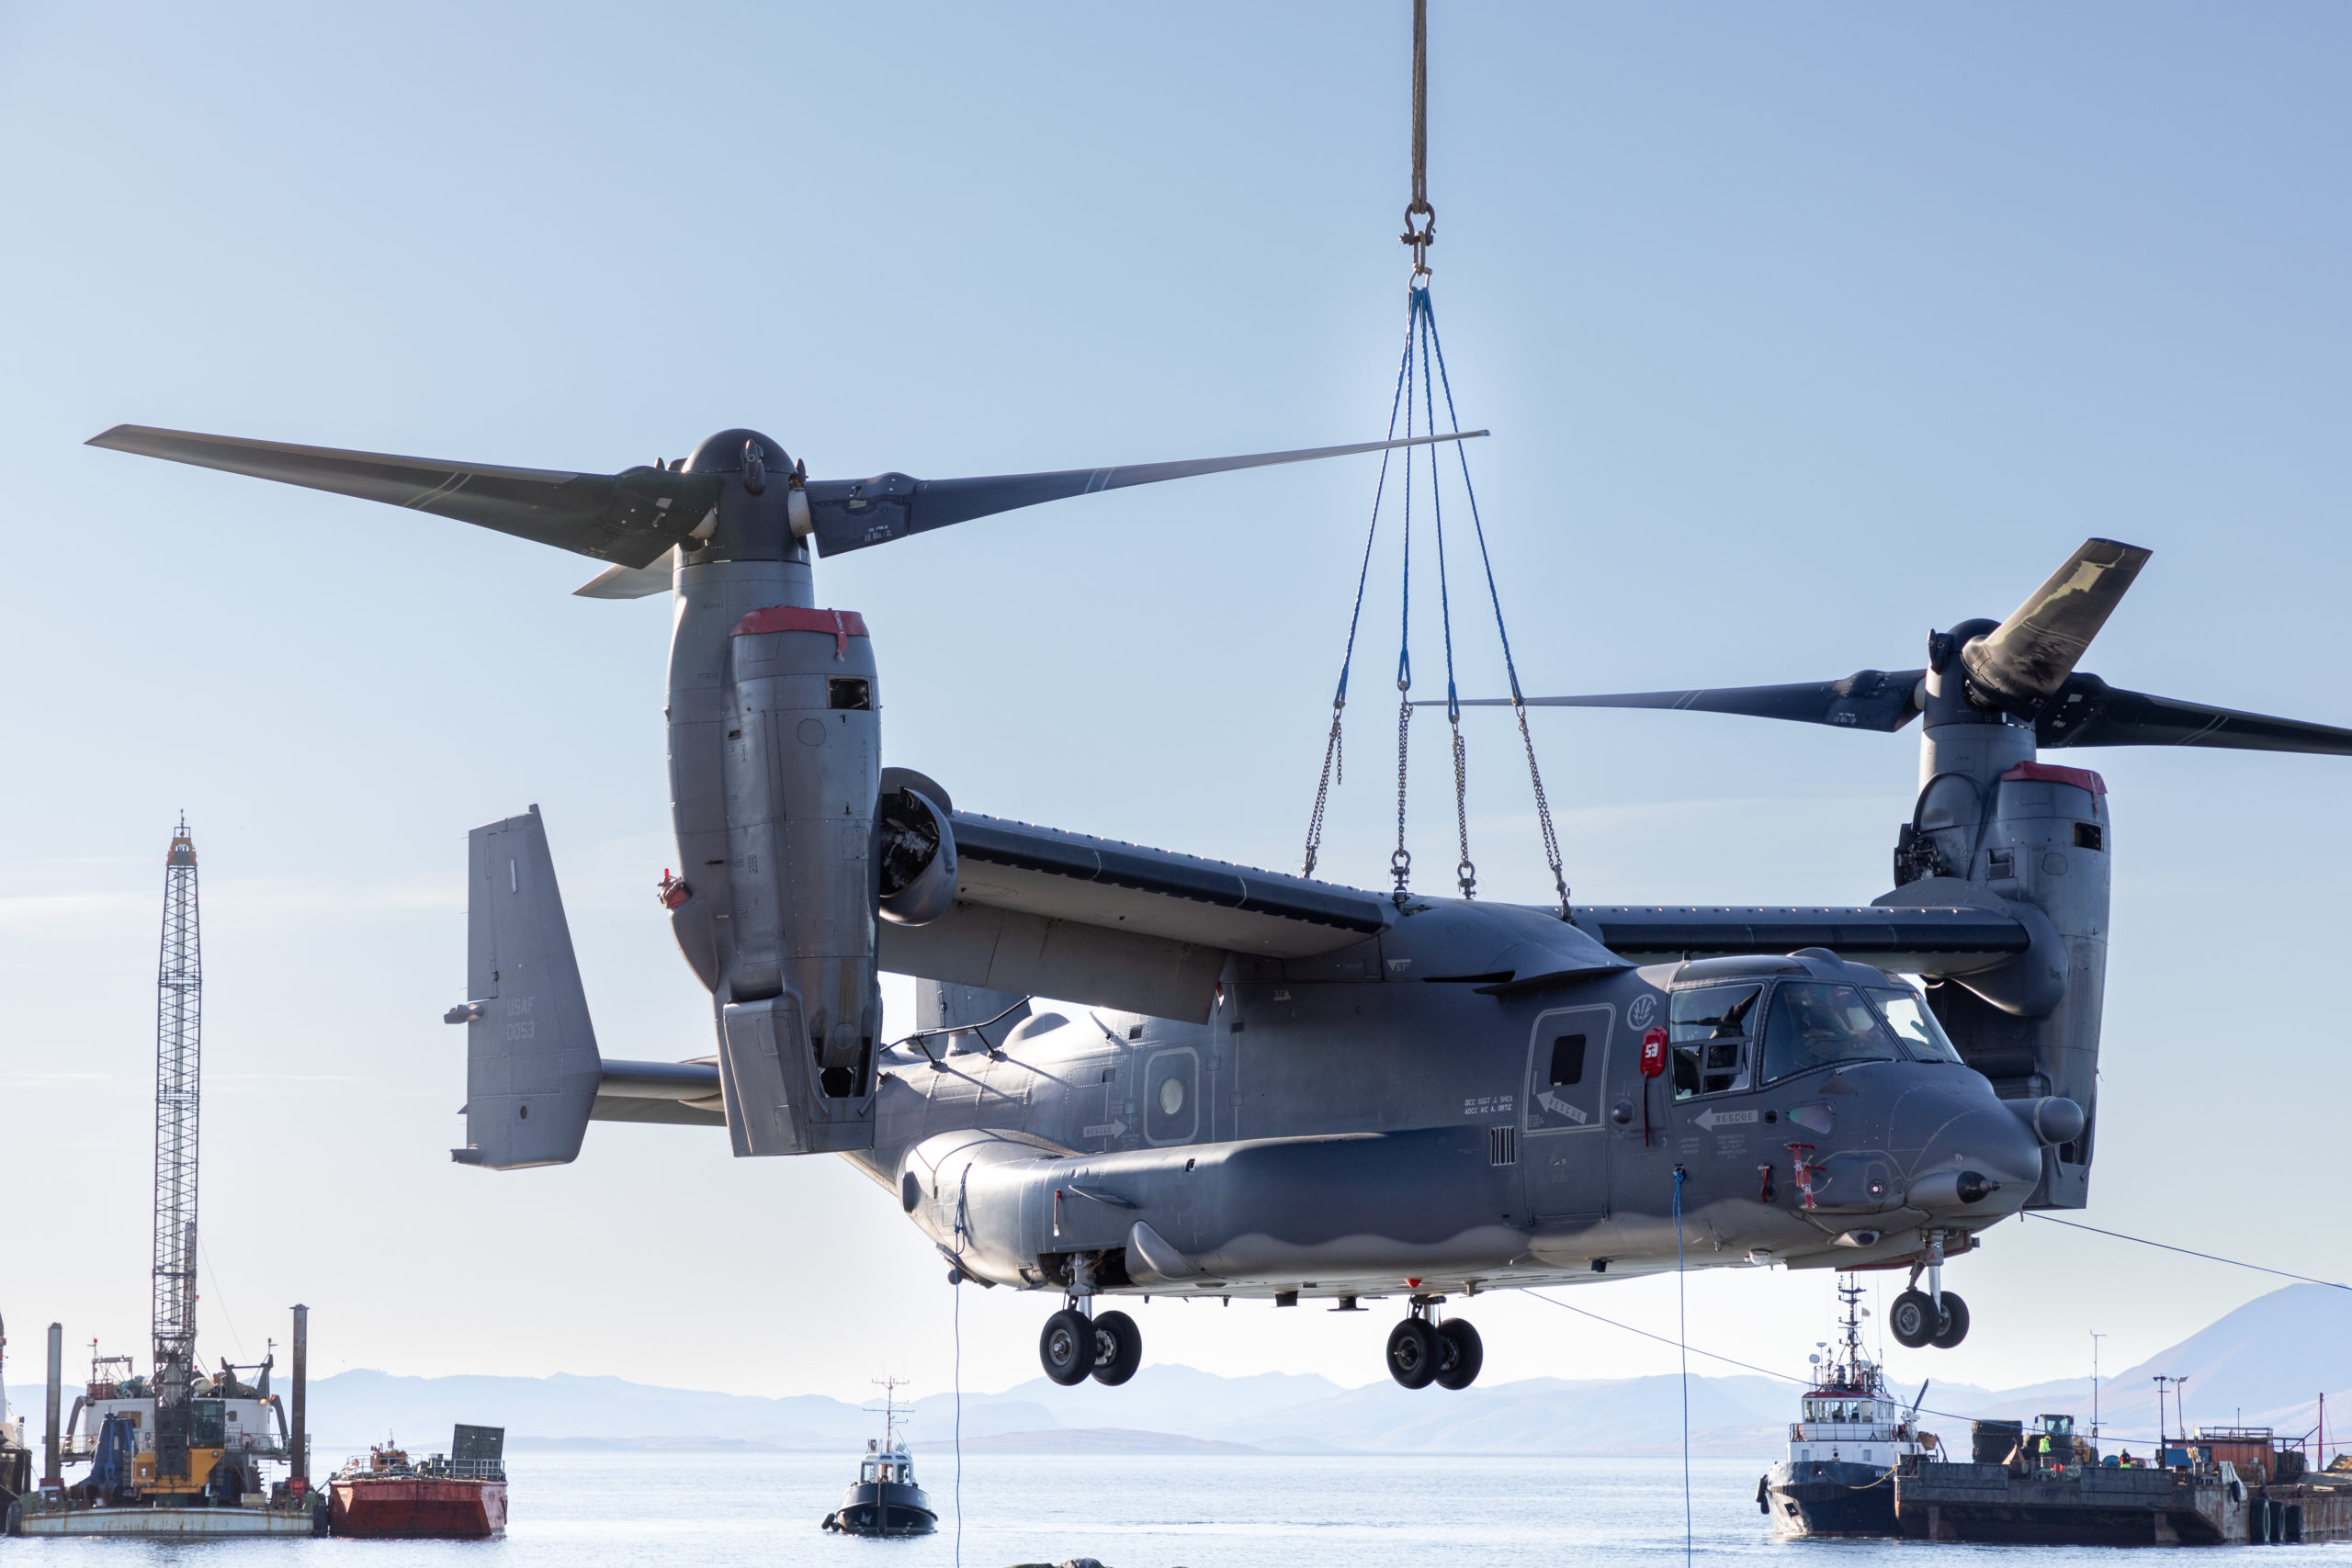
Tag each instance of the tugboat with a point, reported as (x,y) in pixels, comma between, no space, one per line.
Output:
(460,1495)
(885,1501)
(1840,1476)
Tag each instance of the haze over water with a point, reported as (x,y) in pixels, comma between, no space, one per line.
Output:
(1130,1511)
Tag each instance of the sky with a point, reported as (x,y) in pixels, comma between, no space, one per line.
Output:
(1801,329)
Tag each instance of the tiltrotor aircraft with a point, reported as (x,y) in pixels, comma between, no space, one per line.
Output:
(1268,1086)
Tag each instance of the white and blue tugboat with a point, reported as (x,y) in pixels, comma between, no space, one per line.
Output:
(1840,1476)
(885,1500)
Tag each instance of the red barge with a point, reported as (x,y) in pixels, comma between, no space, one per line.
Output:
(458,1496)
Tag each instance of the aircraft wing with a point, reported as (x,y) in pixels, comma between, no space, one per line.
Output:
(1952,940)
(1050,913)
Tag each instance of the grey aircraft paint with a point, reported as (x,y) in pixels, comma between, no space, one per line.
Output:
(1257,1085)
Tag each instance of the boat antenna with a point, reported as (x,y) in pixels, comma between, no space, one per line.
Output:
(889,1387)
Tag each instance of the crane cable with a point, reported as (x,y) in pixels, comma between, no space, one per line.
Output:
(1421,337)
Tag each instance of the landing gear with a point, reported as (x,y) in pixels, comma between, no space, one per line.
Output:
(1415,1350)
(1932,1316)
(1915,1321)
(1423,1350)
(1955,1328)
(1067,1347)
(1118,1347)
(1464,1354)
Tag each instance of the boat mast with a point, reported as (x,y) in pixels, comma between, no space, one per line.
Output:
(889,1387)
(1851,1292)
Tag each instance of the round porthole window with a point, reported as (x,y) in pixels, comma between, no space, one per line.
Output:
(1171,1096)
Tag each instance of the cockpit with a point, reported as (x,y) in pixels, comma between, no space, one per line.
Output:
(1739,1035)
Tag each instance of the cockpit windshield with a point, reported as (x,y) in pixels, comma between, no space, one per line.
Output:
(1914,1024)
(1815,1025)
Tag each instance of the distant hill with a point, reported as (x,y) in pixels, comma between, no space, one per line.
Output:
(2268,1360)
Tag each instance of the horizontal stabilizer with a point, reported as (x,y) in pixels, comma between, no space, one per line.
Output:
(683,1094)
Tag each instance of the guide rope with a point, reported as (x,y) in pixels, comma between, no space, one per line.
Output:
(2209,1257)
(956,1282)
(1752,1367)
(1682,1343)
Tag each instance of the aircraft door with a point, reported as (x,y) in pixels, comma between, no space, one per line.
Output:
(1567,1156)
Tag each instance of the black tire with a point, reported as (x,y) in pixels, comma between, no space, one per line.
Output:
(1955,1327)
(1913,1319)
(1067,1346)
(1118,1347)
(1460,1354)
(1414,1353)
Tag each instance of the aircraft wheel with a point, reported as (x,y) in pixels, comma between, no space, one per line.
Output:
(1955,1325)
(1067,1346)
(1414,1353)
(1118,1347)
(1913,1320)
(1460,1354)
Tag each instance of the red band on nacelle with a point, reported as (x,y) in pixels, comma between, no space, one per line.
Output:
(2050,772)
(839,625)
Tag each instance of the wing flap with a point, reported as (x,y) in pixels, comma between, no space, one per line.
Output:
(1130,889)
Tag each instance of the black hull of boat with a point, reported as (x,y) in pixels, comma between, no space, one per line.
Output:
(1829,1497)
(883,1508)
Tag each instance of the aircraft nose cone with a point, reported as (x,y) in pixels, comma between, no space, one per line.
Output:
(1975,1155)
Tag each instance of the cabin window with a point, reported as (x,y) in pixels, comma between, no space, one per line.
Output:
(1567,1060)
(1813,1025)
(1711,1031)
(1914,1024)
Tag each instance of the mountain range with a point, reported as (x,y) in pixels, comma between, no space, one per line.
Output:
(2262,1363)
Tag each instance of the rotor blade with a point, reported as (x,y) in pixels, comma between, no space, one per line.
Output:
(2024,661)
(2089,712)
(849,514)
(630,582)
(630,518)
(1868,699)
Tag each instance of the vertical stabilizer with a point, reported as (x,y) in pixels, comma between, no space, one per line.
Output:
(531,1061)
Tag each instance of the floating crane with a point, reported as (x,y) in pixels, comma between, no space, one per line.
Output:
(180,1020)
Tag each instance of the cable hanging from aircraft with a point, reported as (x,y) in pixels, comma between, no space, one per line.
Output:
(1422,370)
(2185,1251)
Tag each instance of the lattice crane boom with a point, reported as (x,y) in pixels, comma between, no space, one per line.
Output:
(179,991)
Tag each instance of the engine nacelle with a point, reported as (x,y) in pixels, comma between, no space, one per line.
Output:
(915,849)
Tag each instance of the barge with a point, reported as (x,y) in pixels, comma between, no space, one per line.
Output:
(460,1495)
(2220,1486)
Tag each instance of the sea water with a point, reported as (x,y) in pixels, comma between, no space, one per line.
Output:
(604,1510)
